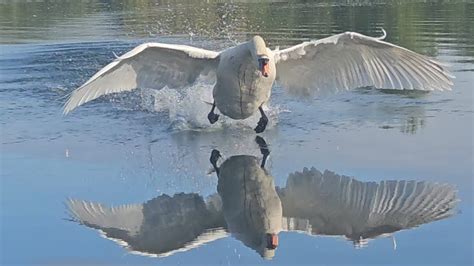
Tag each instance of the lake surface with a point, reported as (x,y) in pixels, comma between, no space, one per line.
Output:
(130,149)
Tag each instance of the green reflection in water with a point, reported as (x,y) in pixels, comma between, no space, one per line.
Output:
(423,27)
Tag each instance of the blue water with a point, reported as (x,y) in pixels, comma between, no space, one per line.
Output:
(127,149)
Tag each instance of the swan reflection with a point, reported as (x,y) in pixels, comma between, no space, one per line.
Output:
(250,208)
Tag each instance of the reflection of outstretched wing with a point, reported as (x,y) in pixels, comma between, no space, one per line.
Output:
(159,227)
(329,204)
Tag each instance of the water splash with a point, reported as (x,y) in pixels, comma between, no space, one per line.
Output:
(188,109)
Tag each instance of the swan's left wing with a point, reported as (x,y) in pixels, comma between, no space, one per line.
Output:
(352,60)
(149,65)
(160,227)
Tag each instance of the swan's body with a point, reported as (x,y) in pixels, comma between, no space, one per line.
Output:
(240,87)
(244,74)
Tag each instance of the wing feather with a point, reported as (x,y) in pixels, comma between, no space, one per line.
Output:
(150,65)
(350,60)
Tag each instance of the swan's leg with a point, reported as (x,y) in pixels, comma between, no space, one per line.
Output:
(262,123)
(263,149)
(213,116)
(215,155)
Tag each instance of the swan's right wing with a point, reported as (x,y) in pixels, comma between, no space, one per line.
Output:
(160,227)
(150,65)
(330,204)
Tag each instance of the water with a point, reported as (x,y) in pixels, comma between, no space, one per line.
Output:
(130,149)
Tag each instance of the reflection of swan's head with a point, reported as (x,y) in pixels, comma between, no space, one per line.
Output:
(268,246)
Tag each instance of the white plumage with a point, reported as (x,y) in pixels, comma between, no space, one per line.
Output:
(352,60)
(150,65)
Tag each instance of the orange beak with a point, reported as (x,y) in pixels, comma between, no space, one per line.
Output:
(265,69)
(272,241)
(264,66)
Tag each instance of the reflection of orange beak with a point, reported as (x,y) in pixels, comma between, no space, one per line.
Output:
(272,241)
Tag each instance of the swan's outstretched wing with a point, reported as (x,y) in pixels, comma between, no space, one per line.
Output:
(330,204)
(150,65)
(352,60)
(159,227)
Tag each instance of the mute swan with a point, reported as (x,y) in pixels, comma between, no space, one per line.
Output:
(244,74)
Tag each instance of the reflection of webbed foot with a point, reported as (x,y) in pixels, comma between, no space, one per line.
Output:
(212,117)
(263,149)
(215,155)
(262,145)
(262,124)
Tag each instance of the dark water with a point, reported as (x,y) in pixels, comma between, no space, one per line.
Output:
(130,149)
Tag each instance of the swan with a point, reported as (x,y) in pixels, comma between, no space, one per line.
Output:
(244,74)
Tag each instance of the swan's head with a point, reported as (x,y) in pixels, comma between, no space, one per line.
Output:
(260,52)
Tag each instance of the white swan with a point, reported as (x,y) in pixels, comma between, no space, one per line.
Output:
(244,74)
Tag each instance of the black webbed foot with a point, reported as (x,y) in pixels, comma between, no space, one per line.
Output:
(262,124)
(212,117)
